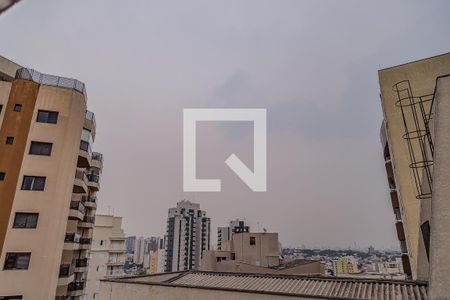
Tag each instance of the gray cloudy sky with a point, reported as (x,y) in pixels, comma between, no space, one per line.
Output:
(312,64)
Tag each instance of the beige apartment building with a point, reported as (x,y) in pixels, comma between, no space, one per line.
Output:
(49,178)
(256,252)
(407,96)
(107,255)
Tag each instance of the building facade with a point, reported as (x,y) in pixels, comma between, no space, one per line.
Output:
(129,244)
(407,134)
(226,233)
(188,236)
(49,178)
(107,255)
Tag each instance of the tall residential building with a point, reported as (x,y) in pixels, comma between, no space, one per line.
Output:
(49,178)
(129,244)
(226,233)
(188,236)
(107,255)
(139,250)
(408,96)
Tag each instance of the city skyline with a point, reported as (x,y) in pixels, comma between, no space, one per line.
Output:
(246,56)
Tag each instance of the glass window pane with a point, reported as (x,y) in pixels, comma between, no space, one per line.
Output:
(27,183)
(39,183)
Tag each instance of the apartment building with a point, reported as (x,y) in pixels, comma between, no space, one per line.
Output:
(226,233)
(408,97)
(49,178)
(107,255)
(188,236)
(345,265)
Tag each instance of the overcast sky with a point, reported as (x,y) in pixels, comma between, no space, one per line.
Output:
(312,64)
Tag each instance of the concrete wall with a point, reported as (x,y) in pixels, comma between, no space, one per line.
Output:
(440,215)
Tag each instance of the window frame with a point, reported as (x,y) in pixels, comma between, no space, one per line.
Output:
(9,140)
(32,186)
(28,224)
(17,255)
(38,143)
(44,116)
(17,107)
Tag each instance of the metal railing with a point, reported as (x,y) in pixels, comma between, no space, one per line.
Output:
(76,286)
(91,199)
(66,270)
(81,263)
(51,80)
(78,205)
(72,238)
(97,156)
(85,241)
(89,219)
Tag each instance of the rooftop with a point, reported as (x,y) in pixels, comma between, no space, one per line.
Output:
(288,285)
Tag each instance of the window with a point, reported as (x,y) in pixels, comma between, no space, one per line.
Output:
(45,116)
(9,140)
(10,297)
(17,261)
(101,242)
(33,183)
(41,148)
(1,107)
(18,107)
(425,228)
(25,220)
(252,240)
(2,177)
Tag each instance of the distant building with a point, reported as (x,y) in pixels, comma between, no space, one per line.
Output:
(188,236)
(139,250)
(129,244)
(226,233)
(107,255)
(345,265)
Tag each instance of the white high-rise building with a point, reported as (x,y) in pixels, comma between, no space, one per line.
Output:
(188,236)
(139,250)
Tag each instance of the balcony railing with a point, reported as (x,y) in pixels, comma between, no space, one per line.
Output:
(72,238)
(66,270)
(81,263)
(80,174)
(77,205)
(93,178)
(97,156)
(85,241)
(92,199)
(76,286)
(89,219)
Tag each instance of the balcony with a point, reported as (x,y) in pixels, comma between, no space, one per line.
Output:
(97,160)
(77,210)
(89,123)
(93,182)
(89,201)
(66,274)
(81,265)
(85,155)
(80,182)
(72,241)
(88,222)
(76,288)
(85,243)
